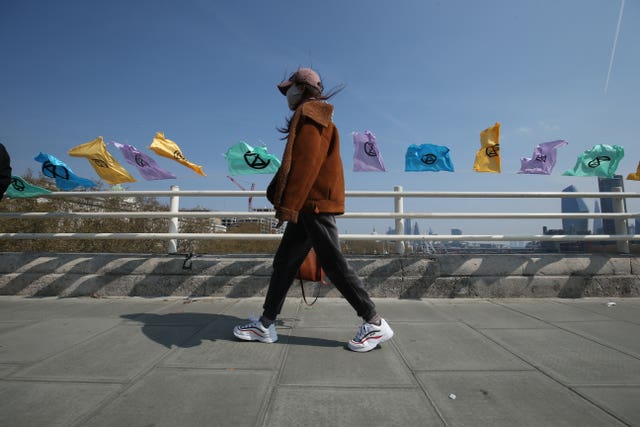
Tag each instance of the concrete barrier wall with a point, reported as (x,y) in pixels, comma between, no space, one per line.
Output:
(433,276)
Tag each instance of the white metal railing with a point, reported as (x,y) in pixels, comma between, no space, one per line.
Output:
(618,197)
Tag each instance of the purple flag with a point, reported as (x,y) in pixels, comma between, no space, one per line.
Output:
(366,156)
(543,159)
(147,167)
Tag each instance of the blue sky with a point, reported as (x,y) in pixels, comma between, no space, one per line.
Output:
(204,73)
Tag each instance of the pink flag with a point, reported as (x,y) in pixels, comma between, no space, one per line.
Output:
(366,156)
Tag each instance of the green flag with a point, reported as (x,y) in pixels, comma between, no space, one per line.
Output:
(602,160)
(243,159)
(19,188)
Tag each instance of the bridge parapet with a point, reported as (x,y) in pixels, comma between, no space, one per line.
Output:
(393,276)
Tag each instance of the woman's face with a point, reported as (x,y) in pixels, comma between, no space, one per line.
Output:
(294,96)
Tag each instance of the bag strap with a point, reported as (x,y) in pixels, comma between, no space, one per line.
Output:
(304,297)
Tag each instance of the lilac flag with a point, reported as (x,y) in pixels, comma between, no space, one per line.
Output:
(543,159)
(147,167)
(366,156)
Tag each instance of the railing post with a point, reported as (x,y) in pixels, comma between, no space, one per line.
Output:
(399,208)
(620,224)
(174,206)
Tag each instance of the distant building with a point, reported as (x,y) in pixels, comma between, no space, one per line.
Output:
(597,222)
(574,205)
(407,226)
(606,185)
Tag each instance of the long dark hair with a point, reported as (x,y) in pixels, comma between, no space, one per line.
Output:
(308,94)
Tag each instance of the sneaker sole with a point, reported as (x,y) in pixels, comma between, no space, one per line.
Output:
(366,348)
(248,336)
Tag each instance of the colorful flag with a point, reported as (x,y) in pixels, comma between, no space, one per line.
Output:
(147,167)
(102,161)
(602,160)
(243,159)
(488,157)
(167,148)
(19,188)
(543,159)
(64,176)
(635,176)
(366,155)
(427,157)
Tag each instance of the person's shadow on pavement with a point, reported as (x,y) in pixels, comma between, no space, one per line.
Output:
(169,329)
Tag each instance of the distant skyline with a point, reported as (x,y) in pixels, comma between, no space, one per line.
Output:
(205,73)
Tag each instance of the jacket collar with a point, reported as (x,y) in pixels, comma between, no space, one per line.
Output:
(320,112)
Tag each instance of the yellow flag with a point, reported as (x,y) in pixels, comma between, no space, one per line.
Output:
(167,148)
(488,156)
(105,165)
(635,176)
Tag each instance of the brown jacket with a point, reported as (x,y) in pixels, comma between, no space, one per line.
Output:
(311,177)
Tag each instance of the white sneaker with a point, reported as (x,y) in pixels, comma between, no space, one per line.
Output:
(369,336)
(254,331)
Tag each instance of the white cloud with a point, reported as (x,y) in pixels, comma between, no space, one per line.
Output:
(548,126)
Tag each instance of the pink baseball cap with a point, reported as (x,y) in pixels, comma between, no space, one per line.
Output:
(303,75)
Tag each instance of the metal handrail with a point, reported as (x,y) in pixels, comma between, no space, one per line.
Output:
(620,216)
(348,215)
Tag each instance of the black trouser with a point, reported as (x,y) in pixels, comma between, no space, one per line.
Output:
(320,232)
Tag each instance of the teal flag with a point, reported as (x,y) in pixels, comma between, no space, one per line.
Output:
(602,160)
(243,159)
(19,188)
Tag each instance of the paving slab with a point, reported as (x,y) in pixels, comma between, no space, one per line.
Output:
(313,406)
(552,311)
(216,347)
(188,397)
(328,313)
(622,401)
(486,314)
(118,355)
(570,358)
(506,399)
(627,310)
(49,404)
(7,369)
(175,362)
(35,309)
(411,311)
(320,357)
(613,333)
(451,346)
(245,308)
(37,341)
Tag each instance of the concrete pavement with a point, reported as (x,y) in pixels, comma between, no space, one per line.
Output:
(453,362)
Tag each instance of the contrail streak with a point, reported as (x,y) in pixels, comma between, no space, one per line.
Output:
(613,49)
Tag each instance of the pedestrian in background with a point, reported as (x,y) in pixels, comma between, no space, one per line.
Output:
(307,192)
(5,170)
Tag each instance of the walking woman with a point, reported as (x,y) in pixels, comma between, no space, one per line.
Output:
(307,192)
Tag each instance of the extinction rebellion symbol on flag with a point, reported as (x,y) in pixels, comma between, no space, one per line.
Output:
(493,150)
(428,159)
(598,160)
(17,184)
(100,163)
(370,149)
(254,161)
(55,171)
